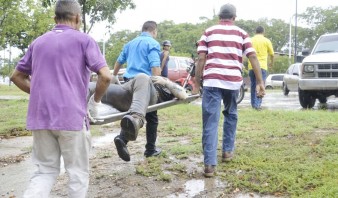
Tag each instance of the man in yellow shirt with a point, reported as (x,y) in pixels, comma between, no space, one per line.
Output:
(264,50)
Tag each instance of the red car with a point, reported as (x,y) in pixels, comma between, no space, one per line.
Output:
(177,67)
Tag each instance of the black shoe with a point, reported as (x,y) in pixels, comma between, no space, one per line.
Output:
(121,148)
(130,125)
(152,153)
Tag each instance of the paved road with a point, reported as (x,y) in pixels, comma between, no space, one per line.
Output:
(276,100)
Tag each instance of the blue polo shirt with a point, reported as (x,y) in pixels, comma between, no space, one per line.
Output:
(141,54)
(59,63)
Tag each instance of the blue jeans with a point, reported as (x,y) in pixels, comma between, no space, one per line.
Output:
(211,108)
(255,102)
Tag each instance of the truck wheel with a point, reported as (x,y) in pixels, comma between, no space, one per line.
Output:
(306,100)
(240,95)
(268,87)
(285,90)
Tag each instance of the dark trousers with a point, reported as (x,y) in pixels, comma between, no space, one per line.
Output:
(151,130)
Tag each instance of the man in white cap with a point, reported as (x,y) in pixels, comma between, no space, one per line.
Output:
(220,51)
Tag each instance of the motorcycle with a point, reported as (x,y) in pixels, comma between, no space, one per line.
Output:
(188,83)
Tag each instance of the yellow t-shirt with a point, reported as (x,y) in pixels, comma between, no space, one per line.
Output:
(263,47)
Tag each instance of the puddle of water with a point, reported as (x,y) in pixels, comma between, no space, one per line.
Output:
(104,140)
(196,186)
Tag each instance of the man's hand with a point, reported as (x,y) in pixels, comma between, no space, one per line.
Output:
(195,90)
(260,90)
(93,108)
(159,80)
(115,80)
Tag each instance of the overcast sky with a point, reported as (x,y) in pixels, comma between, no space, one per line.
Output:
(182,11)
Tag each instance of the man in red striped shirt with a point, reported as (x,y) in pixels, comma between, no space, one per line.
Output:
(220,52)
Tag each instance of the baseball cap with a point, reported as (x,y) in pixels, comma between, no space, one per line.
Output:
(228,9)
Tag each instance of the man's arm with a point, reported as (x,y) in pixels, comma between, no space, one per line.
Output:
(21,80)
(199,72)
(164,60)
(156,71)
(271,60)
(271,54)
(117,68)
(260,88)
(102,83)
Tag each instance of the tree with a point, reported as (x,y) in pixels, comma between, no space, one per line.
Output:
(115,44)
(320,21)
(22,22)
(98,10)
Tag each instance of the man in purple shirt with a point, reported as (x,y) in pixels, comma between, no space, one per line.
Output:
(55,71)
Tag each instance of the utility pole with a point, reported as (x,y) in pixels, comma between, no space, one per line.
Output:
(296,34)
(9,65)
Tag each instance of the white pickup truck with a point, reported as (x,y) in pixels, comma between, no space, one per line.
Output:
(318,78)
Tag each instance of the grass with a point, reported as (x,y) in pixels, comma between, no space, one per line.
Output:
(279,153)
(12,90)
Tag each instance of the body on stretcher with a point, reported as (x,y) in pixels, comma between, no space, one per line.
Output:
(108,113)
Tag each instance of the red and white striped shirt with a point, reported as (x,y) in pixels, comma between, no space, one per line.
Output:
(225,44)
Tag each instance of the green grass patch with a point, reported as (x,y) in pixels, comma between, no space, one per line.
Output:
(281,153)
(13,117)
(12,90)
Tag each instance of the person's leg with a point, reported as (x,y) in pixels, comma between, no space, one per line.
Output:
(230,123)
(46,156)
(143,95)
(151,134)
(75,149)
(259,100)
(253,89)
(211,105)
(119,96)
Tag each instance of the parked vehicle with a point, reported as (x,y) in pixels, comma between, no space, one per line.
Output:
(318,78)
(273,81)
(291,77)
(93,76)
(177,67)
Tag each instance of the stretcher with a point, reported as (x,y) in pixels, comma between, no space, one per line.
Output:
(109,114)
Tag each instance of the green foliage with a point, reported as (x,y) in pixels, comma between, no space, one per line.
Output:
(98,10)
(281,64)
(115,44)
(23,22)
(32,20)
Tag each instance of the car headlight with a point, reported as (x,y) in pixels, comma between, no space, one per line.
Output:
(309,68)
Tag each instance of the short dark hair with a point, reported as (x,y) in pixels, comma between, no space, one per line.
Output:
(149,26)
(66,9)
(259,30)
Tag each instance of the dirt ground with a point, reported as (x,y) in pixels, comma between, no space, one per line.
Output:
(110,176)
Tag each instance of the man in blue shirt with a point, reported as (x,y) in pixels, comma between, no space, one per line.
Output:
(143,56)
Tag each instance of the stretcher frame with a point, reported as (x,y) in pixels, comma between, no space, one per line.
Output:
(118,116)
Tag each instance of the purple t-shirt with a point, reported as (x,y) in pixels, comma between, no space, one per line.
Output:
(59,63)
